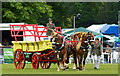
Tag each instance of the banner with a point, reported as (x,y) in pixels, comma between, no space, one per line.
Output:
(1,56)
(8,55)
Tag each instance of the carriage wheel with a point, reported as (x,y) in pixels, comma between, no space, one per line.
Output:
(35,61)
(19,59)
(45,65)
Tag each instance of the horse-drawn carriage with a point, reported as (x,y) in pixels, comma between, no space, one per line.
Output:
(42,51)
(37,51)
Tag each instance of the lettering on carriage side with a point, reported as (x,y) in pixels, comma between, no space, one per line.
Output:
(47,43)
(37,45)
(33,45)
(27,47)
(21,45)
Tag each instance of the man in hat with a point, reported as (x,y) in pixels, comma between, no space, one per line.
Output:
(50,27)
(96,52)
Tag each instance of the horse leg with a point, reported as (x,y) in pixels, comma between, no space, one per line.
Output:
(58,63)
(80,62)
(75,60)
(85,56)
(67,56)
(84,63)
(65,61)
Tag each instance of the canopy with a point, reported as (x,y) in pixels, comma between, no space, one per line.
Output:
(99,36)
(81,29)
(117,39)
(106,37)
(110,29)
(96,27)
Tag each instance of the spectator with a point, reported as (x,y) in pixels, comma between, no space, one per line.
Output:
(5,42)
(96,52)
(107,50)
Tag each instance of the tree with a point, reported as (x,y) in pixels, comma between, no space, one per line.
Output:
(61,12)
(28,12)
(108,13)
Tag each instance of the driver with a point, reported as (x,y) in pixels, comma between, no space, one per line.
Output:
(50,28)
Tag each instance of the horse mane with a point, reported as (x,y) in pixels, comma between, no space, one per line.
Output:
(83,38)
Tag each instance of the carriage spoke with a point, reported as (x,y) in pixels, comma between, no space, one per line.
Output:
(19,60)
(35,61)
(16,60)
(45,65)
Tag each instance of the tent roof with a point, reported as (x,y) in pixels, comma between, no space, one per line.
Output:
(97,28)
(108,29)
(81,29)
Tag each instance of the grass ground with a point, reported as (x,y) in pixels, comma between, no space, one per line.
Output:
(104,69)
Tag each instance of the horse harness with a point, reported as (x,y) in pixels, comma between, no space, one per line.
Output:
(68,40)
(87,45)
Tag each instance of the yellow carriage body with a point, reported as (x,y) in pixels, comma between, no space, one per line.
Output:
(32,46)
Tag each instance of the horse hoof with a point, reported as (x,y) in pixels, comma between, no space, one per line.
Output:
(75,68)
(66,67)
(62,68)
(80,69)
(58,69)
(83,69)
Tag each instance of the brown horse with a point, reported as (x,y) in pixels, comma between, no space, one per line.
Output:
(82,48)
(76,37)
(58,41)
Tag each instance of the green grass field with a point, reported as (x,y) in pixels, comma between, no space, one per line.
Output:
(104,69)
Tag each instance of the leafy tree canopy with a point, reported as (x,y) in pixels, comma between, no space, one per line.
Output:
(61,12)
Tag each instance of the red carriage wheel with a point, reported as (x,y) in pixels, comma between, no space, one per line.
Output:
(19,59)
(45,65)
(35,61)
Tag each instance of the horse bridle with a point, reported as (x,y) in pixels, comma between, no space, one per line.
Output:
(55,39)
(87,41)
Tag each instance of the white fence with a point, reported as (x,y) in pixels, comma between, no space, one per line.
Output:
(113,57)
